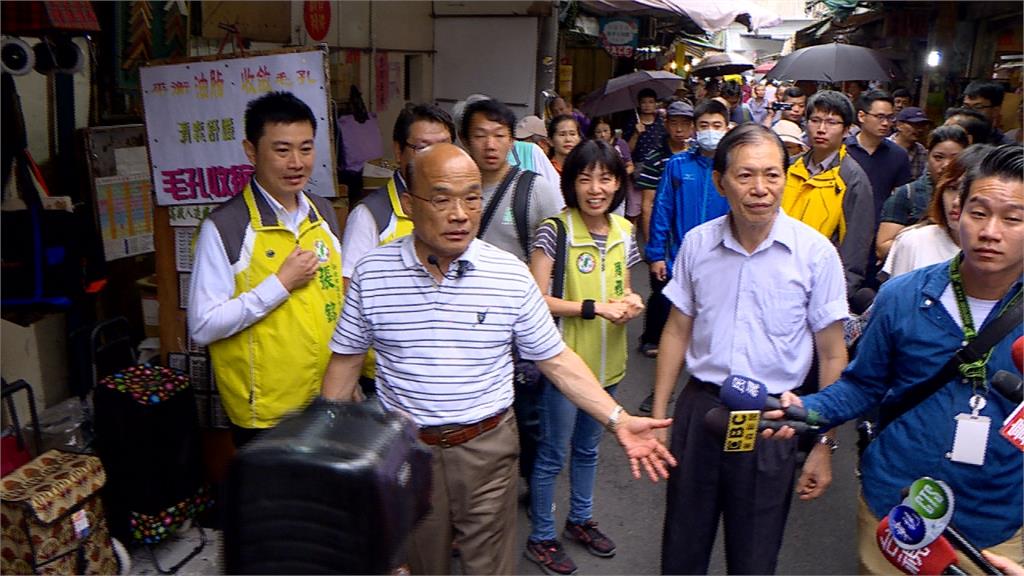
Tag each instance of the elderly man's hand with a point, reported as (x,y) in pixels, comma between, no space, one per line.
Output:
(639,440)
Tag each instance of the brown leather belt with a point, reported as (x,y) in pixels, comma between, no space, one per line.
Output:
(453,434)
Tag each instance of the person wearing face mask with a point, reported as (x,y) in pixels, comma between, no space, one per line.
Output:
(686,198)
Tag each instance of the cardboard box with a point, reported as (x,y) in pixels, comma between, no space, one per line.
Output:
(37,353)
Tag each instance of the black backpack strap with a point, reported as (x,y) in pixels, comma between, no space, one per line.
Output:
(989,336)
(521,209)
(492,206)
(558,273)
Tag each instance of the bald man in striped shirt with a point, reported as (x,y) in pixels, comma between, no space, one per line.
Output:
(443,310)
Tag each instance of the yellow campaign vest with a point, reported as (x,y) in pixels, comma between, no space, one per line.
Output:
(817,200)
(277,365)
(403,227)
(589,275)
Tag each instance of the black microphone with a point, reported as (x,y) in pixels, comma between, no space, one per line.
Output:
(1009,385)
(460,269)
(717,421)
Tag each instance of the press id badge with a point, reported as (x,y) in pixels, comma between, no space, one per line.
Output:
(970,439)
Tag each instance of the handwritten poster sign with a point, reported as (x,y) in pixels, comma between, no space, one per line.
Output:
(195,122)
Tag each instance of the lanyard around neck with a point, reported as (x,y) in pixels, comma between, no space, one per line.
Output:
(973,370)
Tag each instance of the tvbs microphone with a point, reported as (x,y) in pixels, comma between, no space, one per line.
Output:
(935,558)
(744,393)
(740,427)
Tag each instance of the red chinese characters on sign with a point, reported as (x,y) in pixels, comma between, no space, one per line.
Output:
(317,16)
(623,51)
(212,182)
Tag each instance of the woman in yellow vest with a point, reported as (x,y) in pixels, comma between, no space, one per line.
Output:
(595,305)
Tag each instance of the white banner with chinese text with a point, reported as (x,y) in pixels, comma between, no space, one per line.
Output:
(195,122)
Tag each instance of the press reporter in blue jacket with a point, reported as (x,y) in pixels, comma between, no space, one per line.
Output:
(919,320)
(686,195)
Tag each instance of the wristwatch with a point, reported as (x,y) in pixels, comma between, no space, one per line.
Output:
(613,418)
(830,442)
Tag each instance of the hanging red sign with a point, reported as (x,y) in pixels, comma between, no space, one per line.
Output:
(317,15)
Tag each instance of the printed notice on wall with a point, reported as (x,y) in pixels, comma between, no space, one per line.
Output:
(124,208)
(183,249)
(195,122)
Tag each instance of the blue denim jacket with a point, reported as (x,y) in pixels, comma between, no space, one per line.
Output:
(686,198)
(910,337)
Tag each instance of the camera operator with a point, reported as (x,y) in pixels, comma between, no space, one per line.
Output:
(789,107)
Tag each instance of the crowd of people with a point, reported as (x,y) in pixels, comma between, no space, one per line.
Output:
(487,288)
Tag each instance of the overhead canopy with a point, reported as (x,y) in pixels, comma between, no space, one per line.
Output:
(707,15)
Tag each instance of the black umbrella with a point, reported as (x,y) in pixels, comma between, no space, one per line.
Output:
(620,93)
(833,63)
(722,65)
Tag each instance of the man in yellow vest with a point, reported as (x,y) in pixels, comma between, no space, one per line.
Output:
(266,283)
(379,218)
(829,191)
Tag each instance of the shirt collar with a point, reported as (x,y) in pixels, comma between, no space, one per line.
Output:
(938,278)
(408,250)
(283,215)
(828,163)
(782,232)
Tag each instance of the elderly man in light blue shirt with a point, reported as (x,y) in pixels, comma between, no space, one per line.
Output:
(754,293)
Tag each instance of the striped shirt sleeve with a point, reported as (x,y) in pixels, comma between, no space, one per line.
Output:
(536,336)
(545,239)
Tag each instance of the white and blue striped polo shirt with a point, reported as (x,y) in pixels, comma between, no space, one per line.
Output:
(444,351)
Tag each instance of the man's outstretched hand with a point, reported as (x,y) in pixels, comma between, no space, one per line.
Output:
(786,400)
(638,440)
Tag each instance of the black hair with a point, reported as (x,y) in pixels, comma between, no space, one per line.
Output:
(600,120)
(710,107)
(1004,162)
(420,113)
(831,101)
(991,91)
(553,127)
(493,110)
(587,155)
(743,135)
(900,93)
(792,92)
(730,90)
(866,99)
(646,93)
(977,125)
(275,108)
(948,134)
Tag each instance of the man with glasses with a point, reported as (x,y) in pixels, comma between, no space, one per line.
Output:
(828,190)
(885,163)
(379,218)
(443,310)
(987,97)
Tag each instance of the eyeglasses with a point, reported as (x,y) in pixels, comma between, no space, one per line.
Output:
(443,203)
(890,118)
(826,122)
(979,107)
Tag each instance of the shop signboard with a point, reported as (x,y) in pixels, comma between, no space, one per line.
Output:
(195,122)
(620,36)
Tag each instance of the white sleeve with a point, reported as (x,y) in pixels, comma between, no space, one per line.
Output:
(360,237)
(213,312)
(543,166)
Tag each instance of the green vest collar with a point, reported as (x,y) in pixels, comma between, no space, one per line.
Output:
(579,235)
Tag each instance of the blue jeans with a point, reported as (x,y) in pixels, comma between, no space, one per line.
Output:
(560,423)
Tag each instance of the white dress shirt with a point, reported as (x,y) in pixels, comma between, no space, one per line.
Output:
(755,314)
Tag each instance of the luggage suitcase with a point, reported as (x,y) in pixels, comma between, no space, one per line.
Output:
(147,434)
(52,518)
(335,488)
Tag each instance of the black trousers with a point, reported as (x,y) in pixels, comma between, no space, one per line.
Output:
(656,313)
(750,491)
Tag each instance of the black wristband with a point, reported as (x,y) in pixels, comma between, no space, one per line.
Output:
(587,311)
